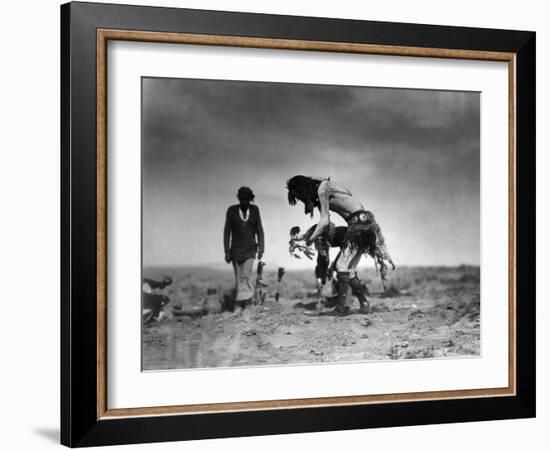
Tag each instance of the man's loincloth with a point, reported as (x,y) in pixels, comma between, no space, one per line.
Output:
(362,232)
(365,235)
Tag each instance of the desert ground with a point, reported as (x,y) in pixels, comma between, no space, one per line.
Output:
(427,312)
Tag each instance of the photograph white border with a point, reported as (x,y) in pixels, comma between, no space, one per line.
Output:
(128,386)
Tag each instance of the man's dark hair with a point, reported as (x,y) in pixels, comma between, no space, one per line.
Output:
(245,193)
(304,189)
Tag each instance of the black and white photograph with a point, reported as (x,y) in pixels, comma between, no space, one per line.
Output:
(296,223)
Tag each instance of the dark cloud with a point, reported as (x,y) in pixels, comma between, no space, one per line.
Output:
(406,151)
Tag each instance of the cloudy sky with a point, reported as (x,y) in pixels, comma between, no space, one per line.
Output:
(410,156)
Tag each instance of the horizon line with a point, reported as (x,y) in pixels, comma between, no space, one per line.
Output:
(217,265)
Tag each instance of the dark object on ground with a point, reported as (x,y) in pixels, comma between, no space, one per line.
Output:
(211,304)
(280,274)
(380,308)
(192,311)
(154,284)
(330,302)
(243,303)
(311,306)
(392,291)
(152,306)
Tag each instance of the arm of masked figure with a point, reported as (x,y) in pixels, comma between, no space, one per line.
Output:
(323,193)
(307,235)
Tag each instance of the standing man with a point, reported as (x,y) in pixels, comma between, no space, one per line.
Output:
(243,238)
(362,236)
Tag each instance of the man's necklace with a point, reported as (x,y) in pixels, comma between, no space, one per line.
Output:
(244,217)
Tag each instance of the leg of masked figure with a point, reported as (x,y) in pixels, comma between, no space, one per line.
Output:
(357,287)
(343,266)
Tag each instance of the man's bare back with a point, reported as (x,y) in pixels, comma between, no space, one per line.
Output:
(333,197)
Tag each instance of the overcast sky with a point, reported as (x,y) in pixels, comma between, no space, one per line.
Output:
(410,156)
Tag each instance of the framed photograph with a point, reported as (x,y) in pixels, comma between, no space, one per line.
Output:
(276,224)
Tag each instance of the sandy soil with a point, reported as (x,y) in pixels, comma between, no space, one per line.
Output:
(431,313)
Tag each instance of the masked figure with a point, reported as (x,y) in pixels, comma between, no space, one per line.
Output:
(363,235)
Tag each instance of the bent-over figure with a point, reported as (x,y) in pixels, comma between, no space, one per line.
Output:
(362,236)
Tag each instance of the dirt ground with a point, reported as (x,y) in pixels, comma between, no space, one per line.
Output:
(427,313)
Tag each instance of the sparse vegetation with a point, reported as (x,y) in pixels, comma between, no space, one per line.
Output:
(427,312)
